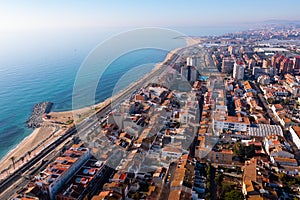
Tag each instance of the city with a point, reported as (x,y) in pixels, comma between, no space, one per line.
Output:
(220,119)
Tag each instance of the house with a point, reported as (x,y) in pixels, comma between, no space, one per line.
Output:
(295,133)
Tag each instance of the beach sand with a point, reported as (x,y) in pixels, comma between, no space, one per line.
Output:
(30,146)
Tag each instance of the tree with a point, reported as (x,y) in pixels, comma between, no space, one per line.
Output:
(208,196)
(29,153)
(226,187)
(243,151)
(219,179)
(13,161)
(249,151)
(234,194)
(22,158)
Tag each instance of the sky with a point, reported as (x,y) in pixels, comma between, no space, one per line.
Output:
(51,28)
(58,14)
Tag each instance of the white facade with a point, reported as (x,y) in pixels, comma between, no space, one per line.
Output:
(58,183)
(295,137)
(237,126)
(263,80)
(193,61)
(238,71)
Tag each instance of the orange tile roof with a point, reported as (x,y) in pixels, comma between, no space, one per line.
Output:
(174,195)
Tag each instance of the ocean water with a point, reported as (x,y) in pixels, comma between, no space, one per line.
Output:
(54,82)
(44,67)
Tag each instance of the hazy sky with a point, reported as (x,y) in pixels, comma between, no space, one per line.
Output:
(27,15)
(48,29)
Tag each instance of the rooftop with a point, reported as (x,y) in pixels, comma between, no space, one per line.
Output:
(263,130)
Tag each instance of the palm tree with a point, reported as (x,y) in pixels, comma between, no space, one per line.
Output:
(29,153)
(22,158)
(13,161)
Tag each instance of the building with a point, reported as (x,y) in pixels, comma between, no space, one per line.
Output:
(227,65)
(53,178)
(79,185)
(295,133)
(266,63)
(264,130)
(249,177)
(297,63)
(221,157)
(193,61)
(221,121)
(285,66)
(116,118)
(238,71)
(263,80)
(231,123)
(231,50)
(190,73)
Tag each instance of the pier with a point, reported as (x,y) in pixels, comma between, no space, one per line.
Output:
(39,109)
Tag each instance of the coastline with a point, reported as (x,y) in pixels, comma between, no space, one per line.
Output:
(37,137)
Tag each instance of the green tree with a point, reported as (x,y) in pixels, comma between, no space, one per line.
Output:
(219,179)
(226,187)
(208,196)
(249,151)
(13,161)
(234,194)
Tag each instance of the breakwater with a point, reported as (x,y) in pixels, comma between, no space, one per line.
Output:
(39,109)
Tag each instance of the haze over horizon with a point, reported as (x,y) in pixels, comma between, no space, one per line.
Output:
(34,15)
(33,27)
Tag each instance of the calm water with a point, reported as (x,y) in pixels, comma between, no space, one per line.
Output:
(33,71)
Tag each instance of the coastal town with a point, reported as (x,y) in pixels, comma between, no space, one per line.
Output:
(219,119)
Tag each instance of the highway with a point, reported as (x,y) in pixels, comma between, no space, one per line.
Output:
(17,180)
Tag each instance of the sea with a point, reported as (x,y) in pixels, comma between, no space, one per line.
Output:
(43,66)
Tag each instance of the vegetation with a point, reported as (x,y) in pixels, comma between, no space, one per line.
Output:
(226,187)
(243,151)
(234,194)
(70,121)
(208,183)
(219,179)
(13,161)
(289,180)
(208,196)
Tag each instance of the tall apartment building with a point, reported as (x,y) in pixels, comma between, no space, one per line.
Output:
(297,64)
(193,61)
(190,73)
(227,65)
(238,71)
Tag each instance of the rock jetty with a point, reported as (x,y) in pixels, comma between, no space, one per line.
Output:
(39,109)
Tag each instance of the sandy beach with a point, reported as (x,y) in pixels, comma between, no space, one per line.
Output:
(30,146)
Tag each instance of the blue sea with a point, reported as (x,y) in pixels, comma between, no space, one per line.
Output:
(43,66)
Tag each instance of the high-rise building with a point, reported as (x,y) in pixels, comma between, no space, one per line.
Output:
(231,49)
(297,64)
(193,61)
(190,73)
(284,66)
(227,65)
(266,63)
(238,71)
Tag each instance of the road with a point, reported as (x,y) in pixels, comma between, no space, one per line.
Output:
(17,180)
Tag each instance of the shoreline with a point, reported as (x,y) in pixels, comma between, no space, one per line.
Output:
(34,139)
(10,152)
